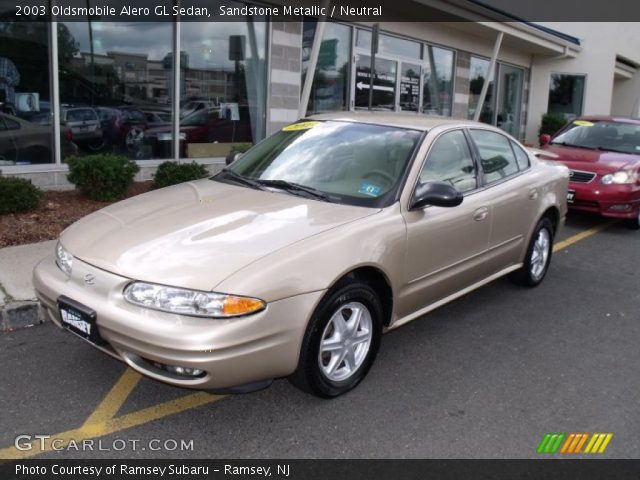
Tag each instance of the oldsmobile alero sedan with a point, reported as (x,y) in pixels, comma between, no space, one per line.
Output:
(293,260)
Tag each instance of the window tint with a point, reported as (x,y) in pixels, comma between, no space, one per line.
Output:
(496,157)
(521,156)
(450,161)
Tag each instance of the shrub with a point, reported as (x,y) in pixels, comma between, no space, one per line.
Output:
(18,195)
(170,173)
(240,148)
(551,123)
(102,177)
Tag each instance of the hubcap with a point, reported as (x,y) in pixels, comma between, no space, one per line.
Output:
(345,341)
(540,254)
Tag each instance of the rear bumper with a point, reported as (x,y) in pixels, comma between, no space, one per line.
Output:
(617,201)
(231,352)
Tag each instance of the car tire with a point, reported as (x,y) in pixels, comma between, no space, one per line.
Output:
(339,348)
(634,223)
(538,257)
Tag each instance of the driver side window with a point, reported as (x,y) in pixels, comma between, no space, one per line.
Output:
(450,161)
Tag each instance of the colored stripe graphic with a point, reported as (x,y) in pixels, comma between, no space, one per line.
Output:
(573,443)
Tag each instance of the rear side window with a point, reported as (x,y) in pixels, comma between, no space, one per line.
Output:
(521,156)
(496,156)
(81,115)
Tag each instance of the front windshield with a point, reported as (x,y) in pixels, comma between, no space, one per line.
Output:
(601,135)
(353,163)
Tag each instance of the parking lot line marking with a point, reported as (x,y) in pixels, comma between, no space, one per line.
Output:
(116,397)
(112,425)
(582,235)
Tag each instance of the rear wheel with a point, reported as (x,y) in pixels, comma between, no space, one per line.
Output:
(538,257)
(341,341)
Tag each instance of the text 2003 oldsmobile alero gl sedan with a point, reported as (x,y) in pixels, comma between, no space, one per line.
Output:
(294,260)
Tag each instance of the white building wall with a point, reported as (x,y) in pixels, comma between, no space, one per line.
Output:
(601,42)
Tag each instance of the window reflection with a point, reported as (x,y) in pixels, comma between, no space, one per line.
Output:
(479,72)
(26,136)
(437,81)
(115,86)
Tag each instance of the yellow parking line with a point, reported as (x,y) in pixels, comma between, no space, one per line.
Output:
(115,398)
(582,235)
(104,422)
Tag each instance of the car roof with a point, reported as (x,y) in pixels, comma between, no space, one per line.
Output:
(397,119)
(610,118)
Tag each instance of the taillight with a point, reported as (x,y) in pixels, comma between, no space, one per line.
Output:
(68,135)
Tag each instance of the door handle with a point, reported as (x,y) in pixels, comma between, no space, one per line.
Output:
(533,194)
(480,214)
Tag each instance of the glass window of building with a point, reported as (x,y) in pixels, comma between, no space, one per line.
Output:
(223,86)
(113,76)
(388,44)
(329,91)
(478,73)
(566,94)
(26,134)
(384,83)
(437,74)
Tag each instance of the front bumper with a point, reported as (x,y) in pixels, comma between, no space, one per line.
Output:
(617,201)
(231,352)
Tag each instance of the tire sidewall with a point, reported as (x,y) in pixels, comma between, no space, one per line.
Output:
(352,292)
(544,223)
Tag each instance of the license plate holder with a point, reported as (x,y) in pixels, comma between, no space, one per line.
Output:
(79,320)
(571,196)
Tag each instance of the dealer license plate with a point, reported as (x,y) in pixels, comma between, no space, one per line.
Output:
(79,319)
(571,196)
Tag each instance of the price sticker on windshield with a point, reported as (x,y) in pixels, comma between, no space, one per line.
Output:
(300,126)
(583,123)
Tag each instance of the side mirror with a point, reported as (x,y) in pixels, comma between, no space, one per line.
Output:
(544,139)
(232,157)
(439,194)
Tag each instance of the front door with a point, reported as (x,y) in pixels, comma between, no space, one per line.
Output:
(446,247)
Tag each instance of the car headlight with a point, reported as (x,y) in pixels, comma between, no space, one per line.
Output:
(619,178)
(190,302)
(64,259)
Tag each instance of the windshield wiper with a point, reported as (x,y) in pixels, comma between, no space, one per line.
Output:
(565,144)
(236,177)
(294,187)
(607,149)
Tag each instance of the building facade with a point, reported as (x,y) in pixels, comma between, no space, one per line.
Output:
(193,91)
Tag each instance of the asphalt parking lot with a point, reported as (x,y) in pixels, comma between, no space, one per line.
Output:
(484,377)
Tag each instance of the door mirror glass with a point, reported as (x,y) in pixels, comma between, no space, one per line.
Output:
(544,139)
(438,194)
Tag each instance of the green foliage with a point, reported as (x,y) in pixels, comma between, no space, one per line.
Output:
(18,195)
(551,123)
(171,173)
(240,148)
(102,177)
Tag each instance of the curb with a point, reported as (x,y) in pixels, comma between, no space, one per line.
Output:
(19,315)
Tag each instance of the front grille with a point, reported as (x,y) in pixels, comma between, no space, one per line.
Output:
(579,176)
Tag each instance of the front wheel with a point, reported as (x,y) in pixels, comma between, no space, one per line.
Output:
(536,262)
(341,341)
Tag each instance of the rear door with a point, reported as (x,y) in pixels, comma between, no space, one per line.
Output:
(446,247)
(510,196)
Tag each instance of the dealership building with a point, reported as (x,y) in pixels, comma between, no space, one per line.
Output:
(192,91)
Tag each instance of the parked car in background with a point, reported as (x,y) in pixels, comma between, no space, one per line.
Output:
(85,126)
(23,142)
(603,155)
(123,127)
(157,118)
(203,126)
(293,260)
(192,106)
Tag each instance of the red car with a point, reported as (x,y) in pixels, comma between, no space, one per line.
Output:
(603,156)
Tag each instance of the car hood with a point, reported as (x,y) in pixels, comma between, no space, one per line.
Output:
(196,234)
(594,160)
